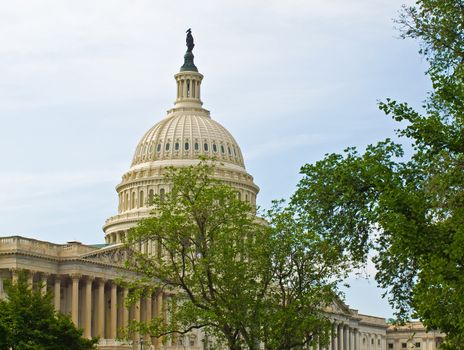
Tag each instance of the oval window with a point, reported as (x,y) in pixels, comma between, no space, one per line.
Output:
(186,146)
(176,146)
(222,149)
(167,146)
(214,148)
(197,146)
(158,148)
(228,148)
(205,146)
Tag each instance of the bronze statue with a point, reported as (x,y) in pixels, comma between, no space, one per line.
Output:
(189,40)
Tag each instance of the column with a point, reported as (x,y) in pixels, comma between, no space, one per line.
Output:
(43,282)
(125,309)
(148,308)
(30,279)
(114,310)
(334,337)
(14,276)
(159,313)
(57,293)
(101,309)
(75,299)
(341,337)
(356,339)
(351,339)
(88,308)
(2,292)
(346,339)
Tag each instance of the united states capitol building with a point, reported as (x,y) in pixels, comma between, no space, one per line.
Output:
(82,278)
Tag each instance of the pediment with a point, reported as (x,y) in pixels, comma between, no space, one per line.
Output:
(115,255)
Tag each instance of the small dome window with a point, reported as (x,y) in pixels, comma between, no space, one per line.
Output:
(228,148)
(197,146)
(205,147)
(176,147)
(222,149)
(158,148)
(214,148)
(167,146)
(186,146)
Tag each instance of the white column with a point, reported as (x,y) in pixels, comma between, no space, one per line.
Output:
(341,337)
(101,309)
(75,299)
(43,283)
(114,310)
(57,293)
(334,337)
(30,279)
(88,308)
(148,308)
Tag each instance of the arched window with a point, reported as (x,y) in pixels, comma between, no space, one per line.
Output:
(141,203)
(186,146)
(176,147)
(158,148)
(167,147)
(205,147)
(133,200)
(150,197)
(126,201)
(162,194)
(214,148)
(197,146)
(222,149)
(228,148)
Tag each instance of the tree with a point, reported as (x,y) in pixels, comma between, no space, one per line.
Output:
(28,322)
(228,272)
(409,209)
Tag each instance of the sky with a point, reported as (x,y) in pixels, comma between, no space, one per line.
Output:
(81,81)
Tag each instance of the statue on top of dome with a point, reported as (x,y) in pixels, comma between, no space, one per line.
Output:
(189,40)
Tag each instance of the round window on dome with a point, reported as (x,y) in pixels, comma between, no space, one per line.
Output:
(205,147)
(167,146)
(158,148)
(176,146)
(214,148)
(186,146)
(197,146)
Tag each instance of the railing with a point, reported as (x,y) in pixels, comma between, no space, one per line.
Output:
(15,243)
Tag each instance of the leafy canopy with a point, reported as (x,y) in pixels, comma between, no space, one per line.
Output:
(28,322)
(409,210)
(242,280)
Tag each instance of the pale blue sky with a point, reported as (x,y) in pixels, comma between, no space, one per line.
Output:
(81,81)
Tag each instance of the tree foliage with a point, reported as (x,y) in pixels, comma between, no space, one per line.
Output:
(242,280)
(28,322)
(409,209)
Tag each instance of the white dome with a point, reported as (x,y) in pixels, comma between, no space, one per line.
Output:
(187,136)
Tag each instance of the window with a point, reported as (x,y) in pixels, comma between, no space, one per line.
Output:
(214,148)
(141,203)
(176,147)
(222,149)
(378,341)
(162,192)
(186,146)
(205,147)
(230,153)
(364,340)
(404,345)
(158,148)
(372,341)
(417,345)
(167,147)
(390,345)
(197,146)
(150,196)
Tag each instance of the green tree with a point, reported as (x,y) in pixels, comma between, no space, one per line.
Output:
(241,280)
(28,322)
(408,208)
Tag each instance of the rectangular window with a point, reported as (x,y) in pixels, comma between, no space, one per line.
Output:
(390,346)
(404,345)
(417,345)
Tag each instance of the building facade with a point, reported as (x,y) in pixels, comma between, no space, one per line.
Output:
(82,278)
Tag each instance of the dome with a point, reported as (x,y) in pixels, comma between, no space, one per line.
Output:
(187,136)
